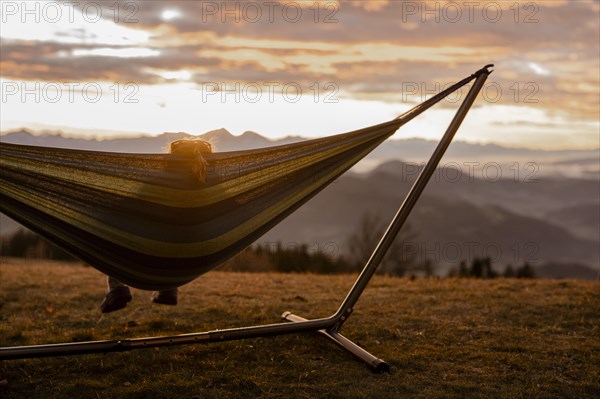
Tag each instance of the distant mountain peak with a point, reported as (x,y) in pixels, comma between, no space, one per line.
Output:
(249,133)
(218,133)
(19,132)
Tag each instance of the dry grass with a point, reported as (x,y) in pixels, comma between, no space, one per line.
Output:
(443,338)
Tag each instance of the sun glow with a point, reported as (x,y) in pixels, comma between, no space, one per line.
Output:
(143,59)
(170,15)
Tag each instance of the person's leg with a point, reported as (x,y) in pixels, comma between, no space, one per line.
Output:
(117,297)
(113,283)
(165,297)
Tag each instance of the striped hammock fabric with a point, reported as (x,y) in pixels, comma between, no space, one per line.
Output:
(149,221)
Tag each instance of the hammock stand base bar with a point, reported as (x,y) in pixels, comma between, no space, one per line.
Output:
(376,364)
(328,327)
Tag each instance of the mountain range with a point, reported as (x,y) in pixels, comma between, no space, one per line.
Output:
(510,213)
(568,163)
(456,220)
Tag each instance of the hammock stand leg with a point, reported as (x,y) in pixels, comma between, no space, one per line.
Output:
(328,326)
(345,310)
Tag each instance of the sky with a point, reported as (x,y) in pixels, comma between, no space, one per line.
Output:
(307,68)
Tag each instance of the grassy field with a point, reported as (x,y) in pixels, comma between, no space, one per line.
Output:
(443,338)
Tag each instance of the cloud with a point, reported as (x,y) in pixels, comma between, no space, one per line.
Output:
(372,50)
(26,60)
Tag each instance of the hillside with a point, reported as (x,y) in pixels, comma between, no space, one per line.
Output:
(572,204)
(581,219)
(450,225)
(443,338)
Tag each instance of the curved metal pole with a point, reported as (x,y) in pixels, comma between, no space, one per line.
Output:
(411,199)
(230,334)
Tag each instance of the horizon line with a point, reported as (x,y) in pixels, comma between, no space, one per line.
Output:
(114,135)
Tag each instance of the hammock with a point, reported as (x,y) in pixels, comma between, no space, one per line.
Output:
(159,221)
(148,220)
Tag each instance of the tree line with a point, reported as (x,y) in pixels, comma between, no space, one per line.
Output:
(482,268)
(25,244)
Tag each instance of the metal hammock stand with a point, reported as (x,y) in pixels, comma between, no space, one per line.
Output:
(327,326)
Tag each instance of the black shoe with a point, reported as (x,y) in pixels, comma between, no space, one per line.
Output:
(116,299)
(165,297)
